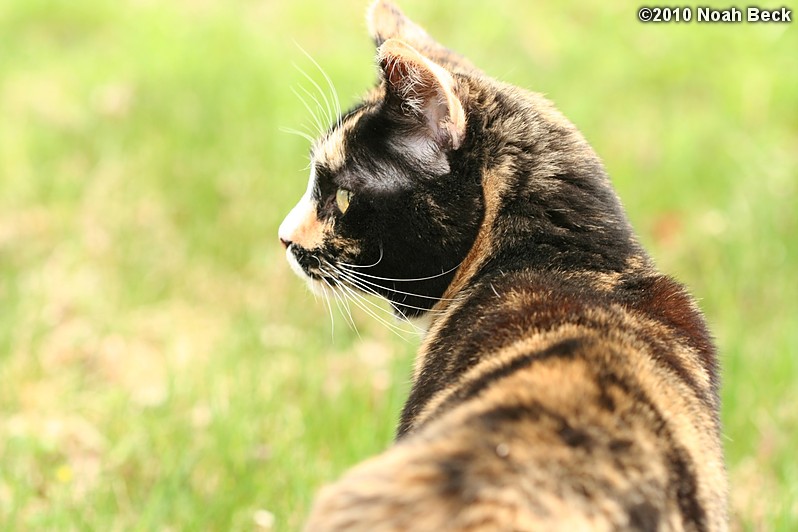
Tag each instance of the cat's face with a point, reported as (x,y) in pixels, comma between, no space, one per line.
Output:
(440,161)
(390,208)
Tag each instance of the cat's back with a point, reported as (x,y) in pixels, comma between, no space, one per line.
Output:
(539,404)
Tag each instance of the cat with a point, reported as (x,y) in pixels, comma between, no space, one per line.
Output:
(563,382)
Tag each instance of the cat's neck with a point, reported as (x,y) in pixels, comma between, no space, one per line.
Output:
(548,203)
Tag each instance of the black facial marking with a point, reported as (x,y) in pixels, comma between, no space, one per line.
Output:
(411,224)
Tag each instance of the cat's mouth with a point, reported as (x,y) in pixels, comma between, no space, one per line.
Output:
(326,276)
(345,281)
(304,263)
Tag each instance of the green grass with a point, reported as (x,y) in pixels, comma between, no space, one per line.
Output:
(161,367)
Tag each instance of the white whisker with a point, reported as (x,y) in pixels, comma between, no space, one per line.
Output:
(319,126)
(375,305)
(345,301)
(329,108)
(409,280)
(391,325)
(359,278)
(342,280)
(329,307)
(359,283)
(299,133)
(326,123)
(336,100)
(343,308)
(363,266)
(335,298)
(360,301)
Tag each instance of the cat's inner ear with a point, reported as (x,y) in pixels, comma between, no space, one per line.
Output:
(425,90)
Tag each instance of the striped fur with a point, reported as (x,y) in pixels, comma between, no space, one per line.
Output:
(564,382)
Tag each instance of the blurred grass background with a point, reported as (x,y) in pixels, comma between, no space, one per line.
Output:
(161,368)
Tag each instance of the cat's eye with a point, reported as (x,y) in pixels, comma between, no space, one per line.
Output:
(342,198)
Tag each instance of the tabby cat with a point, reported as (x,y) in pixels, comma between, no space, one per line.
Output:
(563,381)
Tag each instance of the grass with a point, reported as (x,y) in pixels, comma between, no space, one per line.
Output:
(161,368)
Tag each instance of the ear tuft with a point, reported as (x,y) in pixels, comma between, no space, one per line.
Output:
(425,90)
(386,21)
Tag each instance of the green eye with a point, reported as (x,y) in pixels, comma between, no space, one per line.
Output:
(342,199)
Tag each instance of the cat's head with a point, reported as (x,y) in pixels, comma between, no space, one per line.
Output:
(390,208)
(442,174)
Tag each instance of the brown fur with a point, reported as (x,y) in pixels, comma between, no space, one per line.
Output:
(544,397)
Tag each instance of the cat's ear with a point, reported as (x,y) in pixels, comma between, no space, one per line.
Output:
(386,21)
(425,90)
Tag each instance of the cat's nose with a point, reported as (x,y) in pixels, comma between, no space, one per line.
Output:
(285,242)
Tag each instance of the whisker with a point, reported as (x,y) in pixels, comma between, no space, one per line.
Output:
(310,111)
(299,133)
(364,287)
(358,275)
(375,305)
(343,309)
(335,298)
(336,99)
(327,299)
(410,280)
(328,118)
(352,278)
(329,108)
(362,284)
(363,266)
(363,300)
(407,320)
(345,301)
(395,309)
(329,307)
(354,284)
(360,301)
